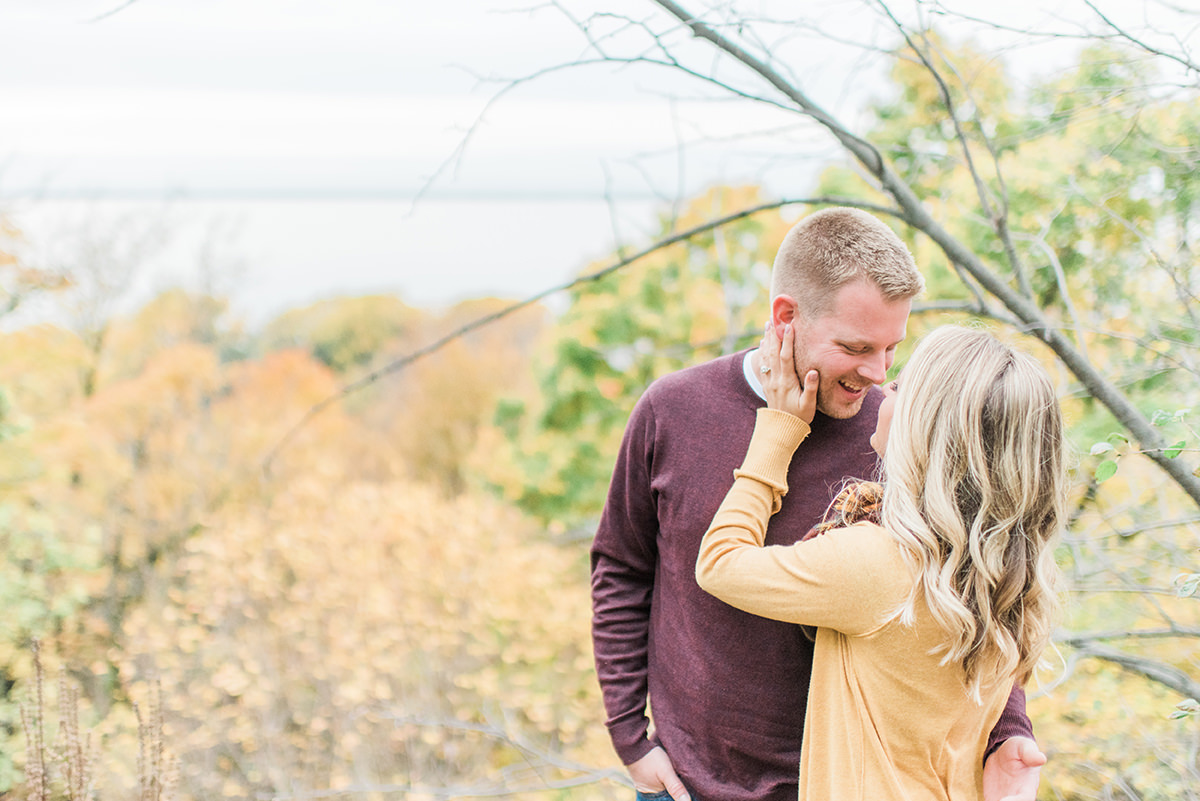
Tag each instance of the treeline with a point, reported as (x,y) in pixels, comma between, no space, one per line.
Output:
(364,613)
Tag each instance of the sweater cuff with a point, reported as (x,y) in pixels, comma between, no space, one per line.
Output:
(777,434)
(630,753)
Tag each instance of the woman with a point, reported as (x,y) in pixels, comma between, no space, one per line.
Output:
(928,612)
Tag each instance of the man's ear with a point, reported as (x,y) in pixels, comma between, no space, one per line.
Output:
(784,310)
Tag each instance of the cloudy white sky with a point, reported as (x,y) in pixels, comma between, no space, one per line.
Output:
(372,96)
(313,97)
(257,95)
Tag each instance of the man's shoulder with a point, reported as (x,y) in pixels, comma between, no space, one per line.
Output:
(721,371)
(699,396)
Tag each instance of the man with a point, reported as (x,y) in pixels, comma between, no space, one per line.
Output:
(727,689)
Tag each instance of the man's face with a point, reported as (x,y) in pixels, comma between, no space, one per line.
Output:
(883,424)
(851,346)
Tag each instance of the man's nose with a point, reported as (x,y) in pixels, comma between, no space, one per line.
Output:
(874,368)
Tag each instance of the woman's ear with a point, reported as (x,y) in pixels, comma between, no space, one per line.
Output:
(784,310)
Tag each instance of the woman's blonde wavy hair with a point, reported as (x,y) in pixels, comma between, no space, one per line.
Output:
(976,494)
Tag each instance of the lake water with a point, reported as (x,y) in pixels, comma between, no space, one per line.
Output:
(269,255)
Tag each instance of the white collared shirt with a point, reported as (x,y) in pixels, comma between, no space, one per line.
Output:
(751,376)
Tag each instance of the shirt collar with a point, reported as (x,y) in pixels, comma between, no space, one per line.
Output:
(751,376)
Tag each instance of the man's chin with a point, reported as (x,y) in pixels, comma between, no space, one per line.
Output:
(841,411)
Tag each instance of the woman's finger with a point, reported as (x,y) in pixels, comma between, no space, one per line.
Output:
(786,348)
(769,354)
(808,398)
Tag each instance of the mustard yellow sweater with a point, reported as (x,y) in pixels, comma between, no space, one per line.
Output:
(884,720)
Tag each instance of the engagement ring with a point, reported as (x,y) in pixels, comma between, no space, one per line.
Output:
(765,369)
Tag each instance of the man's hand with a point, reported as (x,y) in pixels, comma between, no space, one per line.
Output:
(654,773)
(1013,771)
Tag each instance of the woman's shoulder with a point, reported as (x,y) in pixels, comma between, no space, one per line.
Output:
(878,554)
(872,577)
(864,533)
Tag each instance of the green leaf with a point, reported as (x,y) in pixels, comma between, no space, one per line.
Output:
(1174,450)
(1101,447)
(1186,584)
(1117,437)
(1186,709)
(1161,417)
(1106,470)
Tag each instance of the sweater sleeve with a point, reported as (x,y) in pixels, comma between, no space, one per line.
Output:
(814,582)
(1014,722)
(623,557)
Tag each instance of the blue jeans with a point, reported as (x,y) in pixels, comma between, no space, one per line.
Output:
(662,795)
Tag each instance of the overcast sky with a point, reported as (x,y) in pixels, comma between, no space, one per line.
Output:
(372,96)
(233,94)
(311,97)
(324,99)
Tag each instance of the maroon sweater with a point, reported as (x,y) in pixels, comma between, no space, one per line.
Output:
(728,689)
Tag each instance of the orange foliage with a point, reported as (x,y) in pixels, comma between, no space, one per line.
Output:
(326,623)
(308,640)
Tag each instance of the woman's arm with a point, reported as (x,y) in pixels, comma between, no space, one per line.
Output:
(822,581)
(761,482)
(734,541)
(850,579)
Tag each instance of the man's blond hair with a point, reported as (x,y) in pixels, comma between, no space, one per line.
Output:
(837,246)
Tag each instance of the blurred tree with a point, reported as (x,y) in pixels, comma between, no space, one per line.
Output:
(344,333)
(683,305)
(436,411)
(19,280)
(143,540)
(103,258)
(354,635)
(174,317)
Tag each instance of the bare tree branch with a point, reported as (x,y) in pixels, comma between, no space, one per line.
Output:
(1060,277)
(1033,320)
(433,347)
(451,163)
(1190,65)
(1117,33)
(997,217)
(976,309)
(1166,675)
(862,149)
(1142,634)
(1156,526)
(112,12)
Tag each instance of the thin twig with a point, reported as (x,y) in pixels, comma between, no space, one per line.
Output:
(1122,33)
(997,217)
(112,12)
